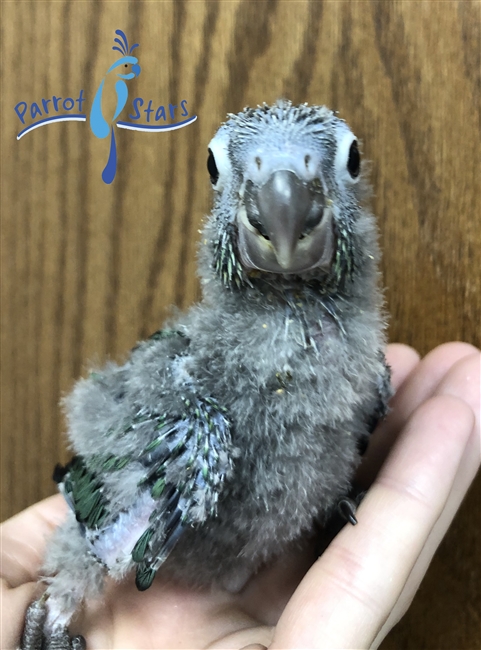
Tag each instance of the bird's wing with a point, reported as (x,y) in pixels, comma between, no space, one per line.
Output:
(188,462)
(122,96)
(180,459)
(98,124)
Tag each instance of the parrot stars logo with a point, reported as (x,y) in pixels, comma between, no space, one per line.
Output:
(126,68)
(109,101)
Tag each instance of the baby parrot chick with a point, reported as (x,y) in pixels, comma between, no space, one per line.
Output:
(224,437)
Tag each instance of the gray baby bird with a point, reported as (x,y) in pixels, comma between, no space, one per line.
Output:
(223,438)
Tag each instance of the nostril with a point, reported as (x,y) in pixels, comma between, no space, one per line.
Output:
(258,162)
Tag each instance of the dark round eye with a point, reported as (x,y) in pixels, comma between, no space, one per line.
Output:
(126,65)
(212,168)
(354,160)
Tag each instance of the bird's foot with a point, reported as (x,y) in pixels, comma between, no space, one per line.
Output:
(35,636)
(344,510)
(347,509)
(347,506)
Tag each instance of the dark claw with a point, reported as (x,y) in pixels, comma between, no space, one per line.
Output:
(79,643)
(344,510)
(347,508)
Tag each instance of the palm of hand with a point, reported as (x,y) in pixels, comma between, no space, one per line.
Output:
(343,599)
(169,616)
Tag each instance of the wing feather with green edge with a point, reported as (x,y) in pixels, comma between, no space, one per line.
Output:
(83,491)
(186,461)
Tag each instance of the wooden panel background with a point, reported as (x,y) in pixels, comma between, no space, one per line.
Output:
(87,269)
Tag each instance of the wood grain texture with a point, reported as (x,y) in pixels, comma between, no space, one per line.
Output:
(88,269)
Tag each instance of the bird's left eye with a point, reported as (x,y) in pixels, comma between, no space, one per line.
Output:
(126,65)
(212,168)
(347,161)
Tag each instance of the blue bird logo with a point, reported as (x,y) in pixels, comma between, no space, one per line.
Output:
(125,68)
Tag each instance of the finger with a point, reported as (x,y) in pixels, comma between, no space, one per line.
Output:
(23,539)
(424,381)
(255,638)
(417,386)
(462,381)
(351,589)
(460,487)
(14,603)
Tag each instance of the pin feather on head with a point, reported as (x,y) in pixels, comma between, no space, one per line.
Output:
(226,436)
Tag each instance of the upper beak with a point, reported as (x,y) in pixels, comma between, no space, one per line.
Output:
(283,212)
(284,203)
(136,69)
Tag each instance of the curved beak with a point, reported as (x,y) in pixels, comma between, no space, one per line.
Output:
(136,69)
(284,203)
(286,230)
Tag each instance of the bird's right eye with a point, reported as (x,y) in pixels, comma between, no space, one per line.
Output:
(354,160)
(212,168)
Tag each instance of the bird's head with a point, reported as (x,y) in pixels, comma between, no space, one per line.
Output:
(287,193)
(127,66)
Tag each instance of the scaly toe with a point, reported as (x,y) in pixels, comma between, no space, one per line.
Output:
(58,640)
(33,629)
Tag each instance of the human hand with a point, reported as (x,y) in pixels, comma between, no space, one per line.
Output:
(419,465)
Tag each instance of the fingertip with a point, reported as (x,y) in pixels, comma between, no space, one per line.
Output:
(463,382)
(451,352)
(402,349)
(24,537)
(424,379)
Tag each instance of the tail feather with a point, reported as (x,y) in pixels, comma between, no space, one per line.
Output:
(110,170)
